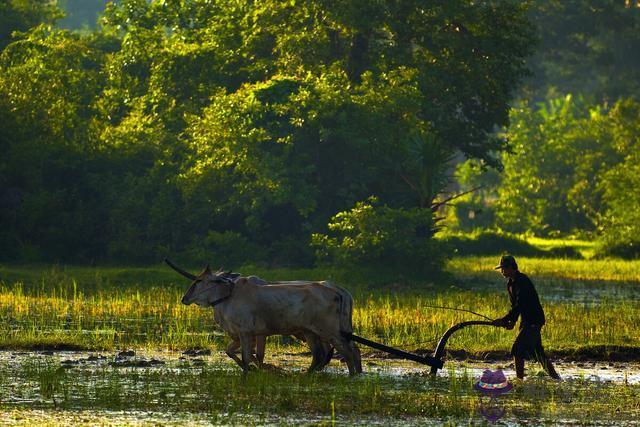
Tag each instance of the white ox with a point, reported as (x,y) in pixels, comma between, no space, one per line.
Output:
(248,310)
(321,350)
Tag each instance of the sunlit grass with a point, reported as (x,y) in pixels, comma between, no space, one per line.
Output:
(585,247)
(106,309)
(601,270)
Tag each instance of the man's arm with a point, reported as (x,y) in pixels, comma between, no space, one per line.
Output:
(512,316)
(506,321)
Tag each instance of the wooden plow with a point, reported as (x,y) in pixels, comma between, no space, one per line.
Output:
(436,361)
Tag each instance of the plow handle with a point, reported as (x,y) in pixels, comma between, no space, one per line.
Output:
(439,352)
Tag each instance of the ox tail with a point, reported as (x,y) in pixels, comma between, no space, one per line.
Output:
(346,306)
(346,310)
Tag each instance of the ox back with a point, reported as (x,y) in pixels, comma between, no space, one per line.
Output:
(344,298)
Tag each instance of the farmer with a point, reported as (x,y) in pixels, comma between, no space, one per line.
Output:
(525,303)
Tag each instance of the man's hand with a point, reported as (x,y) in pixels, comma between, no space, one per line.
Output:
(503,323)
(509,325)
(499,322)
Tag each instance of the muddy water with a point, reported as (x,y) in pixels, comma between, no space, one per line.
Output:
(24,399)
(589,294)
(597,371)
(603,372)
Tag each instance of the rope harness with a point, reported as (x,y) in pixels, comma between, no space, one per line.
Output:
(226,280)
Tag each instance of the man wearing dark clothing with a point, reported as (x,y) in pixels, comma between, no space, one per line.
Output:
(525,304)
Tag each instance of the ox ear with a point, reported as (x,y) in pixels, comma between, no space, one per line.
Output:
(207,269)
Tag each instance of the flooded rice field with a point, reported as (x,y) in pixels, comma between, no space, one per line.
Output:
(142,358)
(204,388)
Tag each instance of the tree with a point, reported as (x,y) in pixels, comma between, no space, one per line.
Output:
(261,120)
(551,180)
(620,218)
(49,81)
(21,15)
(586,48)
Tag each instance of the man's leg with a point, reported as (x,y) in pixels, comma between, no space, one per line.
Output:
(548,367)
(541,356)
(519,364)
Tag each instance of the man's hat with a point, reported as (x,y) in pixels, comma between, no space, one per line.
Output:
(493,383)
(507,261)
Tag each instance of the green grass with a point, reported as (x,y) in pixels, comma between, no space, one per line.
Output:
(495,243)
(585,247)
(569,271)
(111,308)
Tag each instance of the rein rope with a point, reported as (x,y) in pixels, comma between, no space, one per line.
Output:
(231,283)
(458,309)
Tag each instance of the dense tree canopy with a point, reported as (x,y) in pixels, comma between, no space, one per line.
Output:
(587,48)
(21,15)
(573,170)
(620,219)
(551,181)
(572,134)
(184,125)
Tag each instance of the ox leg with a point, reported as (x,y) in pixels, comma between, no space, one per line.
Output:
(327,351)
(232,349)
(325,354)
(246,341)
(346,349)
(261,343)
(317,351)
(357,356)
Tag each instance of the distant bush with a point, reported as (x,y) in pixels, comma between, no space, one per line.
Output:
(496,243)
(627,248)
(227,249)
(290,251)
(381,238)
(564,252)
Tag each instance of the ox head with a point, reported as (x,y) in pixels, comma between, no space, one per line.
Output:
(207,288)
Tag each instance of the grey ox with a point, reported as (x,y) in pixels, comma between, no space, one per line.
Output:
(249,310)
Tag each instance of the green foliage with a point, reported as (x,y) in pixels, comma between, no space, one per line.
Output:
(551,182)
(381,238)
(474,210)
(500,243)
(21,15)
(564,161)
(620,222)
(573,169)
(587,48)
(48,82)
(227,250)
(471,214)
(178,120)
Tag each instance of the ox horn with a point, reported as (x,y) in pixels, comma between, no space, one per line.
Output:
(179,270)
